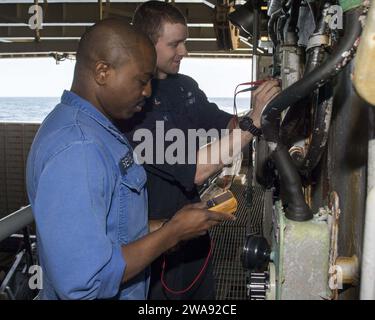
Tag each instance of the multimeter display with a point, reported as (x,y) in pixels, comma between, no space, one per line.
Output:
(224,202)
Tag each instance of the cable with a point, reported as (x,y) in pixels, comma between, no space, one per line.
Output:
(254,85)
(235,96)
(199,275)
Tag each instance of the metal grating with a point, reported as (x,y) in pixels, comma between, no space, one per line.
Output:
(15,142)
(254,221)
(229,238)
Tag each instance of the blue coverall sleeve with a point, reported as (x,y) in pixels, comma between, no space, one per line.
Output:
(71,206)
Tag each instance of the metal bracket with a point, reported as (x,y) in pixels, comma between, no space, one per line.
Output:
(318,40)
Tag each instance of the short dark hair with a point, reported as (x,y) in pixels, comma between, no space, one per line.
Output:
(113,40)
(150,16)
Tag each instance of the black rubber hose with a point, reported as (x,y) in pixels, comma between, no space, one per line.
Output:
(281,22)
(273,36)
(271,26)
(292,195)
(291,187)
(294,15)
(322,120)
(315,79)
(322,103)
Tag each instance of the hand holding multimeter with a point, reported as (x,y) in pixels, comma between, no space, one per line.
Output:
(223,202)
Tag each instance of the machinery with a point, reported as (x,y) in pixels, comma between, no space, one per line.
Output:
(312,158)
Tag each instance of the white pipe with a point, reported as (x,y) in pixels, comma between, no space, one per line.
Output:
(15,222)
(368,255)
(364,80)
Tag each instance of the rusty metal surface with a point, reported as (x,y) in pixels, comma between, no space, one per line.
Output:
(343,168)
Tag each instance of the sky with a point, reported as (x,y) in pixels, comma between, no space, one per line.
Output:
(42,77)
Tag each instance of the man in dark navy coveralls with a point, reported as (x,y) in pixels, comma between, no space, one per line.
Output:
(178,102)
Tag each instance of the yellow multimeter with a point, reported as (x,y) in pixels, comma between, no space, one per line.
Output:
(223,202)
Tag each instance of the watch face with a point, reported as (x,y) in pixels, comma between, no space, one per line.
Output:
(245,124)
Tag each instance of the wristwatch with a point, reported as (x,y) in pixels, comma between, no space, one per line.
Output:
(246,124)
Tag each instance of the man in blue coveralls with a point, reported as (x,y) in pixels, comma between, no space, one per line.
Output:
(87,193)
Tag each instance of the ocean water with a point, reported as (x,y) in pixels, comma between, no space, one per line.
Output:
(35,109)
(17,109)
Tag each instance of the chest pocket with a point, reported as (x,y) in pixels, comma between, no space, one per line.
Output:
(133,220)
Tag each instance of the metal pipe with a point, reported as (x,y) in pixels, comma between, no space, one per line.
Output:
(367,291)
(15,221)
(317,42)
(293,196)
(364,79)
(273,6)
(271,26)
